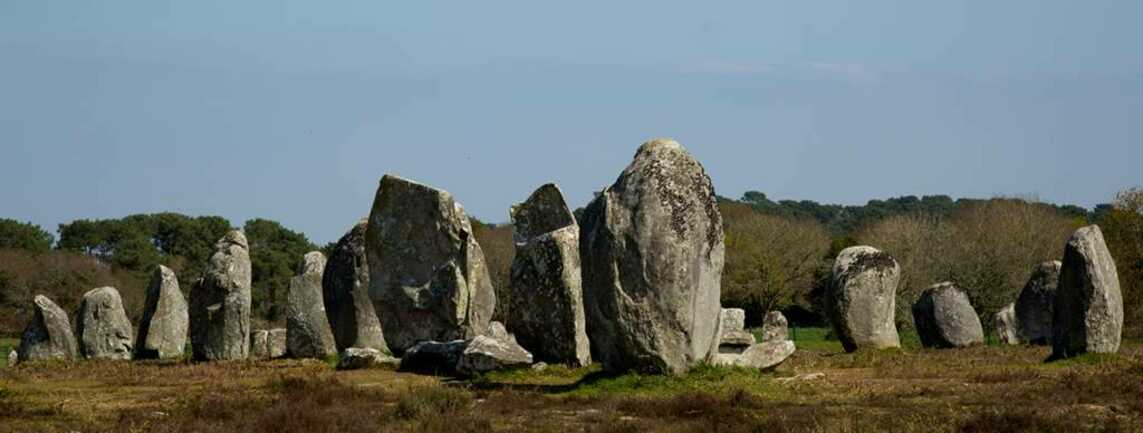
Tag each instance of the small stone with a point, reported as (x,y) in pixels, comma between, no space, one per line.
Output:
(540,366)
(276,343)
(13,358)
(763,356)
(944,318)
(48,336)
(356,358)
(862,299)
(1007,327)
(260,344)
(775,327)
(1088,303)
(102,326)
(733,336)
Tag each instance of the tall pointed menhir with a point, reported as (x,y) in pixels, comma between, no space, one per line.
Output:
(653,252)
(1088,307)
(220,302)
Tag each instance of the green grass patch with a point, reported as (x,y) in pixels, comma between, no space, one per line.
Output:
(6,346)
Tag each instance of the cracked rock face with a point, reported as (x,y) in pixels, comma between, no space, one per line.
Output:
(427,275)
(163,329)
(48,336)
(220,302)
(1088,303)
(546,312)
(944,318)
(652,251)
(102,326)
(1033,309)
(862,299)
(307,329)
(1007,328)
(345,286)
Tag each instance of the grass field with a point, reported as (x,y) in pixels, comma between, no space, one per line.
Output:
(6,345)
(820,389)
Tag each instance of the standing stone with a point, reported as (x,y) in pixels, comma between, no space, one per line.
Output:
(863,299)
(276,343)
(1007,327)
(163,330)
(1034,306)
(427,275)
(102,326)
(345,290)
(259,344)
(307,329)
(653,252)
(220,302)
(1088,304)
(546,307)
(944,318)
(48,335)
(775,327)
(733,337)
(13,358)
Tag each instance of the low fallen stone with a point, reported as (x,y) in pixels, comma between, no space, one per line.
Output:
(356,358)
(765,355)
(484,354)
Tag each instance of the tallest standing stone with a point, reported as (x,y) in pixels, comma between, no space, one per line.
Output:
(427,275)
(652,252)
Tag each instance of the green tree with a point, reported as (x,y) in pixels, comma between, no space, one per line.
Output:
(275,255)
(24,236)
(1122,227)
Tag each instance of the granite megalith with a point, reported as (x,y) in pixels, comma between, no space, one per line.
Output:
(49,335)
(944,318)
(163,329)
(1034,306)
(1088,306)
(307,328)
(220,302)
(546,304)
(101,326)
(862,299)
(652,253)
(427,276)
(345,292)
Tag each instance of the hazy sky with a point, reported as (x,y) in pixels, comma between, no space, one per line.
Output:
(293,110)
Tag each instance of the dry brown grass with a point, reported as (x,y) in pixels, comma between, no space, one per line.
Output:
(982,389)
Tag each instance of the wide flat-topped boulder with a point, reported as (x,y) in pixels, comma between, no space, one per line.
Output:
(307,329)
(944,318)
(48,335)
(163,329)
(495,350)
(652,251)
(102,327)
(220,302)
(546,305)
(428,278)
(1088,303)
(345,290)
(1033,309)
(862,299)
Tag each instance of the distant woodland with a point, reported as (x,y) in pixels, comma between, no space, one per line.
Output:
(778,253)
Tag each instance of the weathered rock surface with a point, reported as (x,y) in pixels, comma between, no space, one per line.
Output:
(259,344)
(356,358)
(652,250)
(944,318)
(48,336)
(1088,304)
(766,355)
(13,358)
(220,302)
(775,327)
(307,329)
(102,327)
(546,307)
(428,278)
(733,337)
(276,343)
(1007,327)
(1033,310)
(862,299)
(345,287)
(433,357)
(496,349)
(163,329)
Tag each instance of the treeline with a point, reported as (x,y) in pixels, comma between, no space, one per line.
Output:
(122,252)
(778,254)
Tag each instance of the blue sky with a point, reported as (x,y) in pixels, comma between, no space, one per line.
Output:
(293,110)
